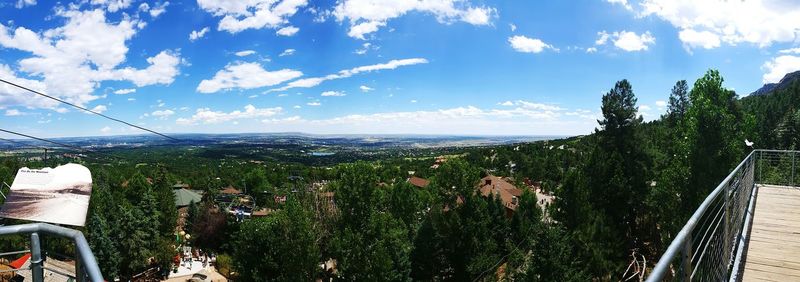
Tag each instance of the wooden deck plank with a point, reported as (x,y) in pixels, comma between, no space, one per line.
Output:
(773,251)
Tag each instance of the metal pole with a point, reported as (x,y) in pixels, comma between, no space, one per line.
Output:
(727,240)
(687,258)
(793,154)
(37,267)
(760,166)
(80,274)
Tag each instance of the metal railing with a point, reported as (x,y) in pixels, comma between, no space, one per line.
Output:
(86,268)
(710,245)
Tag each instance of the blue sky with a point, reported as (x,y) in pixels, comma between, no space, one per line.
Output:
(373,66)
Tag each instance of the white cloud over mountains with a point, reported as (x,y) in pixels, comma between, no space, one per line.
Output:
(777,67)
(253,14)
(245,76)
(72,60)
(367,16)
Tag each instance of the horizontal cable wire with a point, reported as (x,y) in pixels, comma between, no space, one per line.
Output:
(85,109)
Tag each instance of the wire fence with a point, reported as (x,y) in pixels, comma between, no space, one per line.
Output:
(777,167)
(706,248)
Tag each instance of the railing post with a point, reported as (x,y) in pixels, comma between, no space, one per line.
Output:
(760,165)
(687,258)
(80,274)
(37,267)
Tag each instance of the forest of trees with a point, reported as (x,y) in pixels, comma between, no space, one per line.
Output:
(625,189)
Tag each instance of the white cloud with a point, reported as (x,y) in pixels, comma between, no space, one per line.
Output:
(528,45)
(162,70)
(624,3)
(162,114)
(478,16)
(365,48)
(413,101)
(100,109)
(198,34)
(333,94)
(506,103)
(287,31)
(759,22)
(630,41)
(158,9)
(245,76)
(207,116)
(365,88)
(778,67)
(661,103)
(10,95)
(124,91)
(112,5)
(367,16)
(314,81)
(252,14)
(72,60)
(131,99)
(296,106)
(469,120)
(790,51)
(245,53)
(591,50)
(694,39)
(513,27)
(314,103)
(13,112)
(105,129)
(287,52)
(626,40)
(22,3)
(536,106)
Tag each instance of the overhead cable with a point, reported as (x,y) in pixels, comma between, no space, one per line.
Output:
(85,109)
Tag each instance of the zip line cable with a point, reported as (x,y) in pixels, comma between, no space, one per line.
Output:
(85,109)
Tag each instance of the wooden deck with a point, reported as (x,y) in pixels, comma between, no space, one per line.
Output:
(773,251)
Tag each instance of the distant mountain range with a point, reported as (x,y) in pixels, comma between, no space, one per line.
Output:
(273,139)
(768,88)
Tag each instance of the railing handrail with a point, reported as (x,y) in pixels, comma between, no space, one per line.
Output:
(85,257)
(660,270)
